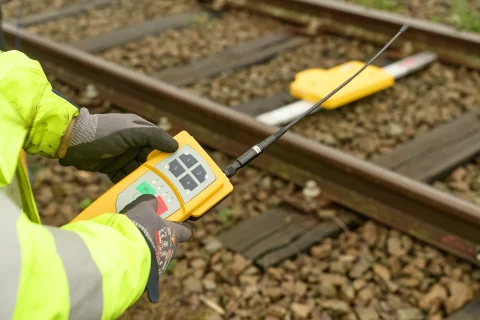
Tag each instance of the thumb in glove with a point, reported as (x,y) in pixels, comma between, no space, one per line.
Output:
(162,237)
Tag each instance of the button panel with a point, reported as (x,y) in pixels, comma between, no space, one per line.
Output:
(200,173)
(188,160)
(196,174)
(150,183)
(175,168)
(188,183)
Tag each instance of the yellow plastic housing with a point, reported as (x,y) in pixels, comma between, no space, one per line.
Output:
(315,84)
(196,207)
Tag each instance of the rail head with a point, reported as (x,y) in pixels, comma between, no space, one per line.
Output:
(376,192)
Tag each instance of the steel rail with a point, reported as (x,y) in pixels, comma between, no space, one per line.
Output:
(419,210)
(373,25)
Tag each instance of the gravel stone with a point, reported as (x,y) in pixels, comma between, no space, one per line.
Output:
(410,314)
(367,313)
(300,310)
(333,279)
(85,178)
(300,288)
(460,293)
(209,285)
(409,282)
(434,298)
(395,247)
(369,232)
(212,244)
(338,306)
(360,267)
(276,311)
(348,293)
(327,289)
(382,272)
(192,284)
(464,182)
(321,251)
(198,264)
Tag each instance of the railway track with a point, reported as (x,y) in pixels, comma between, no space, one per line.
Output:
(399,197)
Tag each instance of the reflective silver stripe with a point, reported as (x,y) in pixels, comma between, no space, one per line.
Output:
(84,277)
(11,264)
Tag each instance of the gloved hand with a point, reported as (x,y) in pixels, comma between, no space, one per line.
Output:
(162,237)
(114,144)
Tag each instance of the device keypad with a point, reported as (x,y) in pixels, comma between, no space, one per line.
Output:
(195,174)
(188,160)
(175,168)
(200,173)
(188,183)
(150,183)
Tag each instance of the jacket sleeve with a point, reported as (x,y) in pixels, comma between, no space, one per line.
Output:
(85,270)
(44,114)
(90,269)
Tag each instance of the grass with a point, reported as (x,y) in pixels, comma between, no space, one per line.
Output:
(387,5)
(171,265)
(462,15)
(225,214)
(85,203)
(466,18)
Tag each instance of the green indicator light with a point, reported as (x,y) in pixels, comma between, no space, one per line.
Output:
(145,188)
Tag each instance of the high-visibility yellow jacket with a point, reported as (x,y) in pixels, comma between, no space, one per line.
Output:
(85,270)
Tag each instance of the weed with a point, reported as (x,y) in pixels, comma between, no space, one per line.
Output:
(388,5)
(85,203)
(465,17)
(171,265)
(225,214)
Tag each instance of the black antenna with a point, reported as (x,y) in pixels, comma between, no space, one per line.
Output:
(257,149)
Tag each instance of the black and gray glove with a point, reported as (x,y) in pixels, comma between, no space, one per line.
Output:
(114,144)
(162,237)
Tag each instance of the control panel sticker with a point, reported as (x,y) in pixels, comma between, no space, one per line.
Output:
(200,173)
(150,183)
(188,160)
(188,171)
(188,183)
(145,188)
(175,168)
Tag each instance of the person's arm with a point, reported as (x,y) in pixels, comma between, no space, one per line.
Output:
(89,269)
(95,269)
(45,115)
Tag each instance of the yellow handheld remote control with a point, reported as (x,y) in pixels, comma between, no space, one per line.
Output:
(188,183)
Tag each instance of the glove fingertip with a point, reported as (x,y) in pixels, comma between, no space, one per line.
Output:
(170,146)
(162,141)
(187,225)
